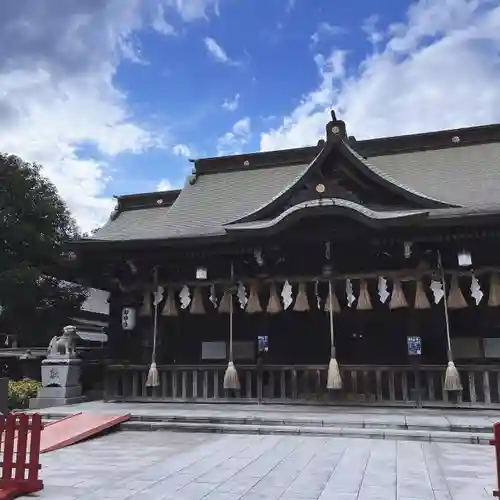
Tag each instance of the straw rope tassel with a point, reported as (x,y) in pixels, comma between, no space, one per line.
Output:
(231,381)
(274,304)
(398,299)
(452,377)
(421,300)
(456,299)
(153,379)
(364,301)
(334,379)
(494,294)
(170,308)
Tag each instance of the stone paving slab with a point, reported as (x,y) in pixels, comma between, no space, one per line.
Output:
(168,466)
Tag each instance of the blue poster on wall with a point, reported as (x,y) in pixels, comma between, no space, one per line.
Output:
(263,343)
(414,346)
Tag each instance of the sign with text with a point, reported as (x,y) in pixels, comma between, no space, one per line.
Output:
(414,346)
(263,343)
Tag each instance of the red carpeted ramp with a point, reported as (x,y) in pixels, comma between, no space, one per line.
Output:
(75,428)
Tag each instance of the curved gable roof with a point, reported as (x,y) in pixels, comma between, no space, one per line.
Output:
(460,175)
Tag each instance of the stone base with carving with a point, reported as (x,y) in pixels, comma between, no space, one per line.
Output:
(60,383)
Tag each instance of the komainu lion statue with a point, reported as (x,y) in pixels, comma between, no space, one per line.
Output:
(64,344)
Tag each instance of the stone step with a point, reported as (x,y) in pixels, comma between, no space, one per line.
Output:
(306,430)
(380,423)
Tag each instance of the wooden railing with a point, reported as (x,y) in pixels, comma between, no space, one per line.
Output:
(365,384)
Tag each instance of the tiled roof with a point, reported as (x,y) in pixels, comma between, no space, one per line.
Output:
(462,175)
(205,206)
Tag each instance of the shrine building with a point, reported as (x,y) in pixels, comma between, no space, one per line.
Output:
(381,255)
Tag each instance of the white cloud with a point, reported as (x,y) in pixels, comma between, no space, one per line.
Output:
(58,100)
(168,184)
(232,142)
(232,104)
(164,185)
(181,150)
(439,69)
(369,26)
(160,23)
(191,10)
(216,51)
(325,30)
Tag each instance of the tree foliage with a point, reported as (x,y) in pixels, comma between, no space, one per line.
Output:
(35,224)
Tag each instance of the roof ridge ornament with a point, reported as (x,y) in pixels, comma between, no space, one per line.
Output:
(335,129)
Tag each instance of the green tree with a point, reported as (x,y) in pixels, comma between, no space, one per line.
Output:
(35,225)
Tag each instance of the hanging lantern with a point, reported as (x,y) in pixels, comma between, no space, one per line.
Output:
(407,249)
(334,301)
(201,273)
(197,306)
(170,307)
(456,299)
(301,302)
(253,303)
(398,299)
(464,259)
(421,300)
(364,301)
(145,310)
(494,295)
(274,304)
(225,302)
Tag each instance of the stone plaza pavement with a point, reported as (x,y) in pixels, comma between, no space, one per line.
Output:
(195,466)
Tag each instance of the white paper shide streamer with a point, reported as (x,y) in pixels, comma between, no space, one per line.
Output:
(383,289)
(158,295)
(185,297)
(286,295)
(437,291)
(316,294)
(213,296)
(475,290)
(349,290)
(242,295)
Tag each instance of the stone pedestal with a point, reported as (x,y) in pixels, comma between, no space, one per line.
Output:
(60,383)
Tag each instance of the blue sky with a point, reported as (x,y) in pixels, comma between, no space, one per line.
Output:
(270,65)
(114,96)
